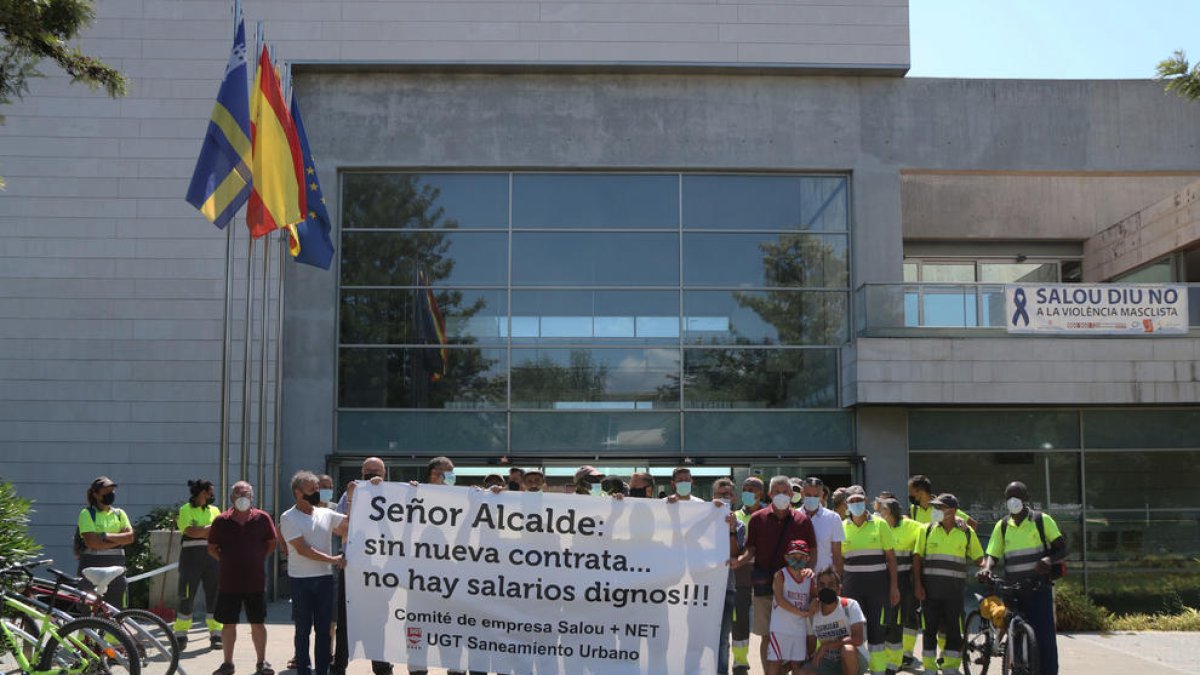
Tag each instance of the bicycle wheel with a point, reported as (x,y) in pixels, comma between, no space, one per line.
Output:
(154,639)
(24,643)
(90,646)
(977,645)
(1021,657)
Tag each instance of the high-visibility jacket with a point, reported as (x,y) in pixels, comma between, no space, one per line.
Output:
(946,558)
(905,534)
(1020,546)
(864,548)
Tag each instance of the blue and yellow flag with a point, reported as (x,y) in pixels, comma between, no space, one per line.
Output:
(316,246)
(222,180)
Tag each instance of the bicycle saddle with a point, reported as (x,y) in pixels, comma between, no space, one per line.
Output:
(102,576)
(68,579)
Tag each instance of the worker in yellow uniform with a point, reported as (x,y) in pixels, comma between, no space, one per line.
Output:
(920,493)
(944,552)
(196,566)
(103,533)
(869,559)
(900,635)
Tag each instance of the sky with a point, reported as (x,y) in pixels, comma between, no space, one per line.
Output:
(1052,39)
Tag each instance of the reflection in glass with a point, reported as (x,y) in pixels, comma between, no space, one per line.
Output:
(756,260)
(450,258)
(1137,538)
(992,430)
(756,433)
(391,316)
(978,480)
(403,378)
(544,316)
(765,317)
(735,202)
(602,201)
(1142,480)
(557,433)
(424,433)
(572,379)
(595,259)
(1136,429)
(1018,273)
(760,378)
(424,201)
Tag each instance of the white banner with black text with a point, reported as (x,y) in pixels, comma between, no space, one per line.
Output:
(534,582)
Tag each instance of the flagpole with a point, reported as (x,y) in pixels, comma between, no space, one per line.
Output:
(262,370)
(246,374)
(226,327)
(278,395)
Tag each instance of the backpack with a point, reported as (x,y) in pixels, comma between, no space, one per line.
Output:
(78,547)
(1058,570)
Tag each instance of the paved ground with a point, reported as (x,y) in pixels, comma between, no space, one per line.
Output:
(1147,653)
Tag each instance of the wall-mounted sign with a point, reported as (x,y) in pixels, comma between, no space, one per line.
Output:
(1096,309)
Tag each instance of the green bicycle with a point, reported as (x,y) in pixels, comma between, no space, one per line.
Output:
(32,643)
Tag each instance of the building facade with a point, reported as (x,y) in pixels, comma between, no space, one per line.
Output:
(731,236)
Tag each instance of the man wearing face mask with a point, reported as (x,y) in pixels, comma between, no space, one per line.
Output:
(308,530)
(196,567)
(766,542)
(722,496)
(942,556)
(641,485)
(871,578)
(681,483)
(240,539)
(516,479)
(752,500)
(104,532)
(325,489)
(1033,550)
(373,470)
(826,524)
(920,494)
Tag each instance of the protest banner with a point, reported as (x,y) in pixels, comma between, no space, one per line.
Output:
(1097,309)
(534,582)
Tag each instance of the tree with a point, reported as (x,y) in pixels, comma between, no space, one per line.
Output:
(34,30)
(15,543)
(1180,76)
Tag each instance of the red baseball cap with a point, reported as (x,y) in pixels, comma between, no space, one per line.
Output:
(797,546)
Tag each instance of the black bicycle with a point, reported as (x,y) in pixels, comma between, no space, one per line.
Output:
(998,631)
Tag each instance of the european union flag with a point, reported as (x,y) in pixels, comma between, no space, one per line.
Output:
(222,180)
(316,247)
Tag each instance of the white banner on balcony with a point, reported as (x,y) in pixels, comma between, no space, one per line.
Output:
(534,582)
(1096,309)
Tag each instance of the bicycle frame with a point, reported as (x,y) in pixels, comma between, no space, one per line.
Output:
(46,630)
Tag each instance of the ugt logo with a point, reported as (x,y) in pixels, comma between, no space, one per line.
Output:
(414,637)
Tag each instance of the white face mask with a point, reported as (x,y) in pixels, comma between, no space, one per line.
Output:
(781,501)
(1015,505)
(596,489)
(326,494)
(448,476)
(857,508)
(812,503)
(683,488)
(242,503)
(937,516)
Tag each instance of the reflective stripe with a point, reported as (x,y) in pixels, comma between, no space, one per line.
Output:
(865,568)
(108,551)
(192,543)
(950,574)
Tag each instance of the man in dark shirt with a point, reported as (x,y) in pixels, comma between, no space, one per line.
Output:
(769,531)
(241,539)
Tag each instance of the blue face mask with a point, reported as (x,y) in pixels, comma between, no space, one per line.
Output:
(812,503)
(857,508)
(448,476)
(748,499)
(797,563)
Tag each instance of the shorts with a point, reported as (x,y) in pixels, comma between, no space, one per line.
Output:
(229,607)
(787,647)
(834,666)
(761,625)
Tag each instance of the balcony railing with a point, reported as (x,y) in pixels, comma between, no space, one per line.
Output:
(933,309)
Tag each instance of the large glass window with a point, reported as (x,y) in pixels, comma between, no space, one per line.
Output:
(592,312)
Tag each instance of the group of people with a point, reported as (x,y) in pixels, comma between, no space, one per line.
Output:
(832,586)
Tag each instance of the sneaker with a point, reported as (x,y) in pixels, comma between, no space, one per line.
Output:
(741,670)
(214,641)
(262,668)
(225,669)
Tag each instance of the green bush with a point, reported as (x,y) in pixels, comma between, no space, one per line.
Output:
(1186,620)
(15,543)
(1141,592)
(138,556)
(1075,611)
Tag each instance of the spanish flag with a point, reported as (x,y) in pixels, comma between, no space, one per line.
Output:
(278,199)
(432,327)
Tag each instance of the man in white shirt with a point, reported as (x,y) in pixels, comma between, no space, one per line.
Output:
(826,523)
(308,530)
